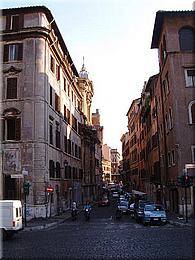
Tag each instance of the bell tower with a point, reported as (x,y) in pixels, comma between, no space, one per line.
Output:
(86,89)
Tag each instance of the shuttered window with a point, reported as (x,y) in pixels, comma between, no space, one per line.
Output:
(57,103)
(57,72)
(13,52)
(14,22)
(11,88)
(13,127)
(51,96)
(68,116)
(51,169)
(52,64)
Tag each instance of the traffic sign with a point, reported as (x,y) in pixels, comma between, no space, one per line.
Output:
(17,176)
(49,189)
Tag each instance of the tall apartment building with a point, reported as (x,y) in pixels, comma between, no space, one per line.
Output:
(174,37)
(125,170)
(115,160)
(45,106)
(166,114)
(106,163)
(133,124)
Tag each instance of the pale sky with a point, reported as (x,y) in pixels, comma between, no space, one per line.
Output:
(114,36)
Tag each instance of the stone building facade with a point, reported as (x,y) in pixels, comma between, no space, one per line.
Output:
(45,104)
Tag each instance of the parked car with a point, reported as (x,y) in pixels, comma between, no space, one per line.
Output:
(139,209)
(131,209)
(103,202)
(123,206)
(122,197)
(154,214)
(115,194)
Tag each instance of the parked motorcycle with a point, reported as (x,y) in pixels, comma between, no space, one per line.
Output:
(74,214)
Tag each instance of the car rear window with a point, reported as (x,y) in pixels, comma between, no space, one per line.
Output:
(154,208)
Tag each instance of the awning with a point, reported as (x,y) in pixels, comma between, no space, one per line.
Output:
(136,192)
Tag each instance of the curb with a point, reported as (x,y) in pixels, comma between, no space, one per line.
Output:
(44,226)
(175,223)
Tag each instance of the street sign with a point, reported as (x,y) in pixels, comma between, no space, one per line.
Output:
(49,189)
(17,176)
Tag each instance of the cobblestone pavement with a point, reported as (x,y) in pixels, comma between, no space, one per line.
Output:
(102,238)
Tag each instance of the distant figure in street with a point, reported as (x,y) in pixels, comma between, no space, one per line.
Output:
(74,205)
(74,210)
(87,206)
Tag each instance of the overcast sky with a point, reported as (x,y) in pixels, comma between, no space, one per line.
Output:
(114,36)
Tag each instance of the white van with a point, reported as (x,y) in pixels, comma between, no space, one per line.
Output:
(10,217)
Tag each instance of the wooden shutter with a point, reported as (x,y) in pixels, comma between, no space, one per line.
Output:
(20,51)
(18,128)
(8,22)
(11,88)
(3,129)
(6,53)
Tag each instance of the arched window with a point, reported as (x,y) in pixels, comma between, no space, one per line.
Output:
(187,39)
(191,111)
(11,124)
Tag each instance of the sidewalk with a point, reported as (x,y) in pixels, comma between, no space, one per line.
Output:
(42,223)
(178,220)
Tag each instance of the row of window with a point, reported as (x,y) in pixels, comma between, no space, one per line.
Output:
(55,68)
(186,42)
(66,172)
(68,146)
(14,52)
(68,117)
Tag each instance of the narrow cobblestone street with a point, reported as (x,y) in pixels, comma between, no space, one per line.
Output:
(102,237)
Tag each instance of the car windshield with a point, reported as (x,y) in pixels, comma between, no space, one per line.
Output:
(154,208)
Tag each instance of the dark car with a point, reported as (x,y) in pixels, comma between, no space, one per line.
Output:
(139,209)
(123,206)
(103,202)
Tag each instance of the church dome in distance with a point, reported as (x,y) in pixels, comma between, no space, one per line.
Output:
(83,73)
